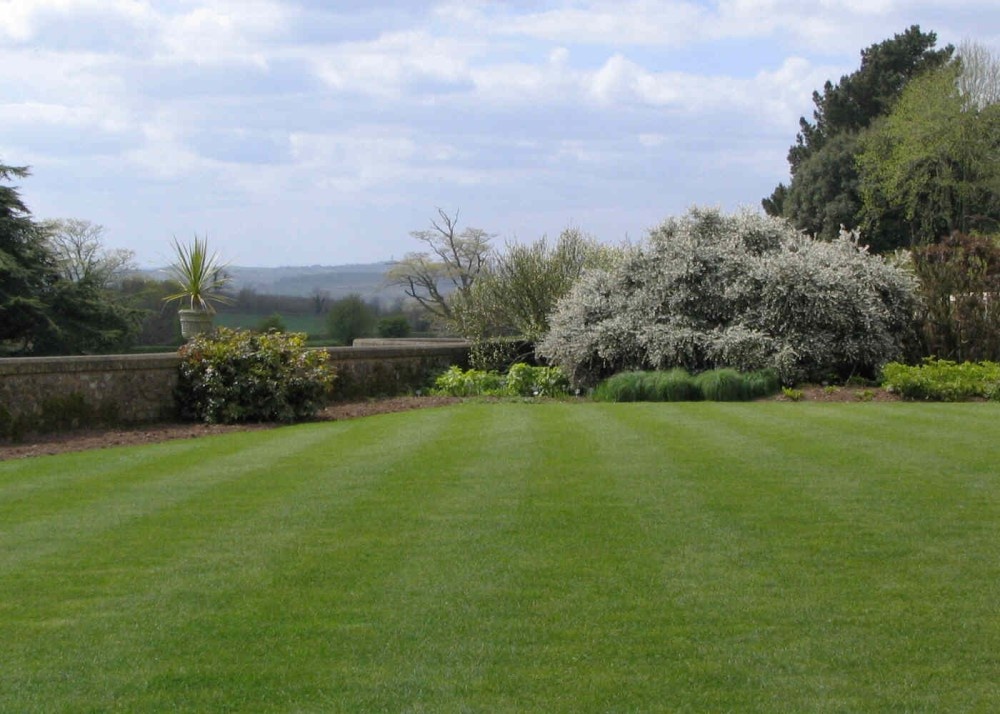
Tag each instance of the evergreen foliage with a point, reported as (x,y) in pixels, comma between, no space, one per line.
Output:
(235,376)
(41,310)
(823,194)
(350,317)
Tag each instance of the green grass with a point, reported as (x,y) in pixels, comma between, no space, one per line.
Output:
(310,324)
(516,557)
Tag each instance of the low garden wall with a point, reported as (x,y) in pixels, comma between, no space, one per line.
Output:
(54,393)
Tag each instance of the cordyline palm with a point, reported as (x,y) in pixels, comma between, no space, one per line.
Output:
(200,275)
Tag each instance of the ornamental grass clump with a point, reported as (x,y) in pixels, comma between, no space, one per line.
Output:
(676,385)
(721,385)
(235,376)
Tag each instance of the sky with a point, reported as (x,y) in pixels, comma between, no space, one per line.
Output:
(311,132)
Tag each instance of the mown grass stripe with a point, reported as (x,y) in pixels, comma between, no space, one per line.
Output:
(511,557)
(261,516)
(814,532)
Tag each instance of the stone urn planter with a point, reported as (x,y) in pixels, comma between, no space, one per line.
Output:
(200,277)
(194,322)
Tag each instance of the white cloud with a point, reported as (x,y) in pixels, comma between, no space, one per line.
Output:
(774,96)
(70,117)
(388,65)
(224,31)
(652,140)
(20,20)
(525,108)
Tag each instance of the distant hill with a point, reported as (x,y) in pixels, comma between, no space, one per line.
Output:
(366,280)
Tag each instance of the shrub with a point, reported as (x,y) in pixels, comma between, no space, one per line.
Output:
(395,326)
(274,321)
(456,382)
(960,282)
(521,380)
(792,394)
(498,354)
(746,292)
(943,380)
(236,376)
(350,317)
(677,385)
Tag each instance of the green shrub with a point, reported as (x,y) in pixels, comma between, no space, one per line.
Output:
(676,385)
(499,354)
(793,395)
(527,381)
(274,321)
(395,326)
(349,318)
(943,380)
(521,380)
(236,376)
(456,382)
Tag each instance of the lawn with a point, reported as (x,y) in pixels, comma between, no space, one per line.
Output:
(310,324)
(516,557)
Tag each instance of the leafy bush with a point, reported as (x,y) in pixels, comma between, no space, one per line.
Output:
(274,321)
(236,376)
(792,394)
(676,385)
(745,292)
(498,354)
(943,380)
(395,326)
(521,380)
(456,382)
(349,318)
(960,283)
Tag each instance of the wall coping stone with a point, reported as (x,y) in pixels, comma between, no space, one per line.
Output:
(10,366)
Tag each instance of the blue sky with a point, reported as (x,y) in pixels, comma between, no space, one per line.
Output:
(299,132)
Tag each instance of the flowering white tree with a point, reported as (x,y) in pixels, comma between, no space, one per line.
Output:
(745,291)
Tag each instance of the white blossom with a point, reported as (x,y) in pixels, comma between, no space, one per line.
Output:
(743,291)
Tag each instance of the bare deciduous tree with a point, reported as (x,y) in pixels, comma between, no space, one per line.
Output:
(979,80)
(79,249)
(452,262)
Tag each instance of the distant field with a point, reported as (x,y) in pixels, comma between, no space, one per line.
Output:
(310,324)
(557,557)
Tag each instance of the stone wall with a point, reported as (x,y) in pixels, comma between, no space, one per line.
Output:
(385,370)
(53,393)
